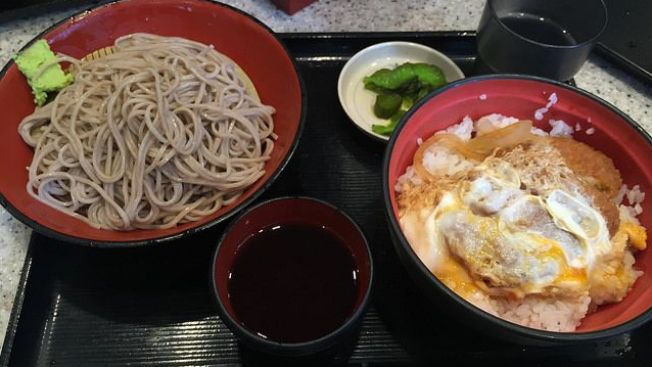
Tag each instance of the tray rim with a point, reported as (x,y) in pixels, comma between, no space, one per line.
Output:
(630,67)
(370,34)
(17,308)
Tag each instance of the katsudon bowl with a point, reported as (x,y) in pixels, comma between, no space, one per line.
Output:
(600,125)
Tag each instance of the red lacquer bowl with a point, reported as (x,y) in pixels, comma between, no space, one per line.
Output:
(616,135)
(241,37)
(295,210)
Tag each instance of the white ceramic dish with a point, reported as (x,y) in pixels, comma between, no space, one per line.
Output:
(358,102)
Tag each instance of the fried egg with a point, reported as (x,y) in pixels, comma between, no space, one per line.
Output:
(489,234)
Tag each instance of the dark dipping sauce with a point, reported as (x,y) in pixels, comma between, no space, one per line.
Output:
(293,283)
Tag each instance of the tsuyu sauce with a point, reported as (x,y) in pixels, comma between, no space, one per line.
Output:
(293,283)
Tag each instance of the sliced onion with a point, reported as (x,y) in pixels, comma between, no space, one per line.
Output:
(508,136)
(477,148)
(451,141)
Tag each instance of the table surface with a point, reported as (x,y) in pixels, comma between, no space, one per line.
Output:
(597,76)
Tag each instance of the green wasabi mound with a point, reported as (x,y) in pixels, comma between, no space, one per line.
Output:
(31,62)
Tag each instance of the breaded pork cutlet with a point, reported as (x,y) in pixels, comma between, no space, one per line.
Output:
(538,161)
(597,173)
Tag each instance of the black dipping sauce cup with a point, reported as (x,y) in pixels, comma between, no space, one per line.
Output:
(548,38)
(276,213)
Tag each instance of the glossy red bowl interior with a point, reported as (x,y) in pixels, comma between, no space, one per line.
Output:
(615,135)
(239,36)
(295,210)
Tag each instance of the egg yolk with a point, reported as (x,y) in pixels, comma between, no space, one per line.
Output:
(636,234)
(456,278)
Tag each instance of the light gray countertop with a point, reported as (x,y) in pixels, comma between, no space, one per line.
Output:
(597,76)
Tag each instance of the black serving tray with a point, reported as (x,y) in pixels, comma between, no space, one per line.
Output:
(627,41)
(81,306)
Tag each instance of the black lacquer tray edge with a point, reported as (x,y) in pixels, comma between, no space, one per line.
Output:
(393,34)
(14,317)
(624,63)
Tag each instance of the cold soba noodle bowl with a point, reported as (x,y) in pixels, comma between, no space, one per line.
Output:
(160,131)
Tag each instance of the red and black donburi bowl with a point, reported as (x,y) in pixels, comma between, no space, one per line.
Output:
(278,212)
(234,33)
(616,135)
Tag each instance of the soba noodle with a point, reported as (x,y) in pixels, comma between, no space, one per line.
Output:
(161,131)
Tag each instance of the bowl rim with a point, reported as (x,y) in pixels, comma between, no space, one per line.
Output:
(522,331)
(493,14)
(354,59)
(327,339)
(86,11)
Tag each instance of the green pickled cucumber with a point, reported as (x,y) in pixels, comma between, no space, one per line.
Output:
(389,128)
(400,78)
(386,105)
